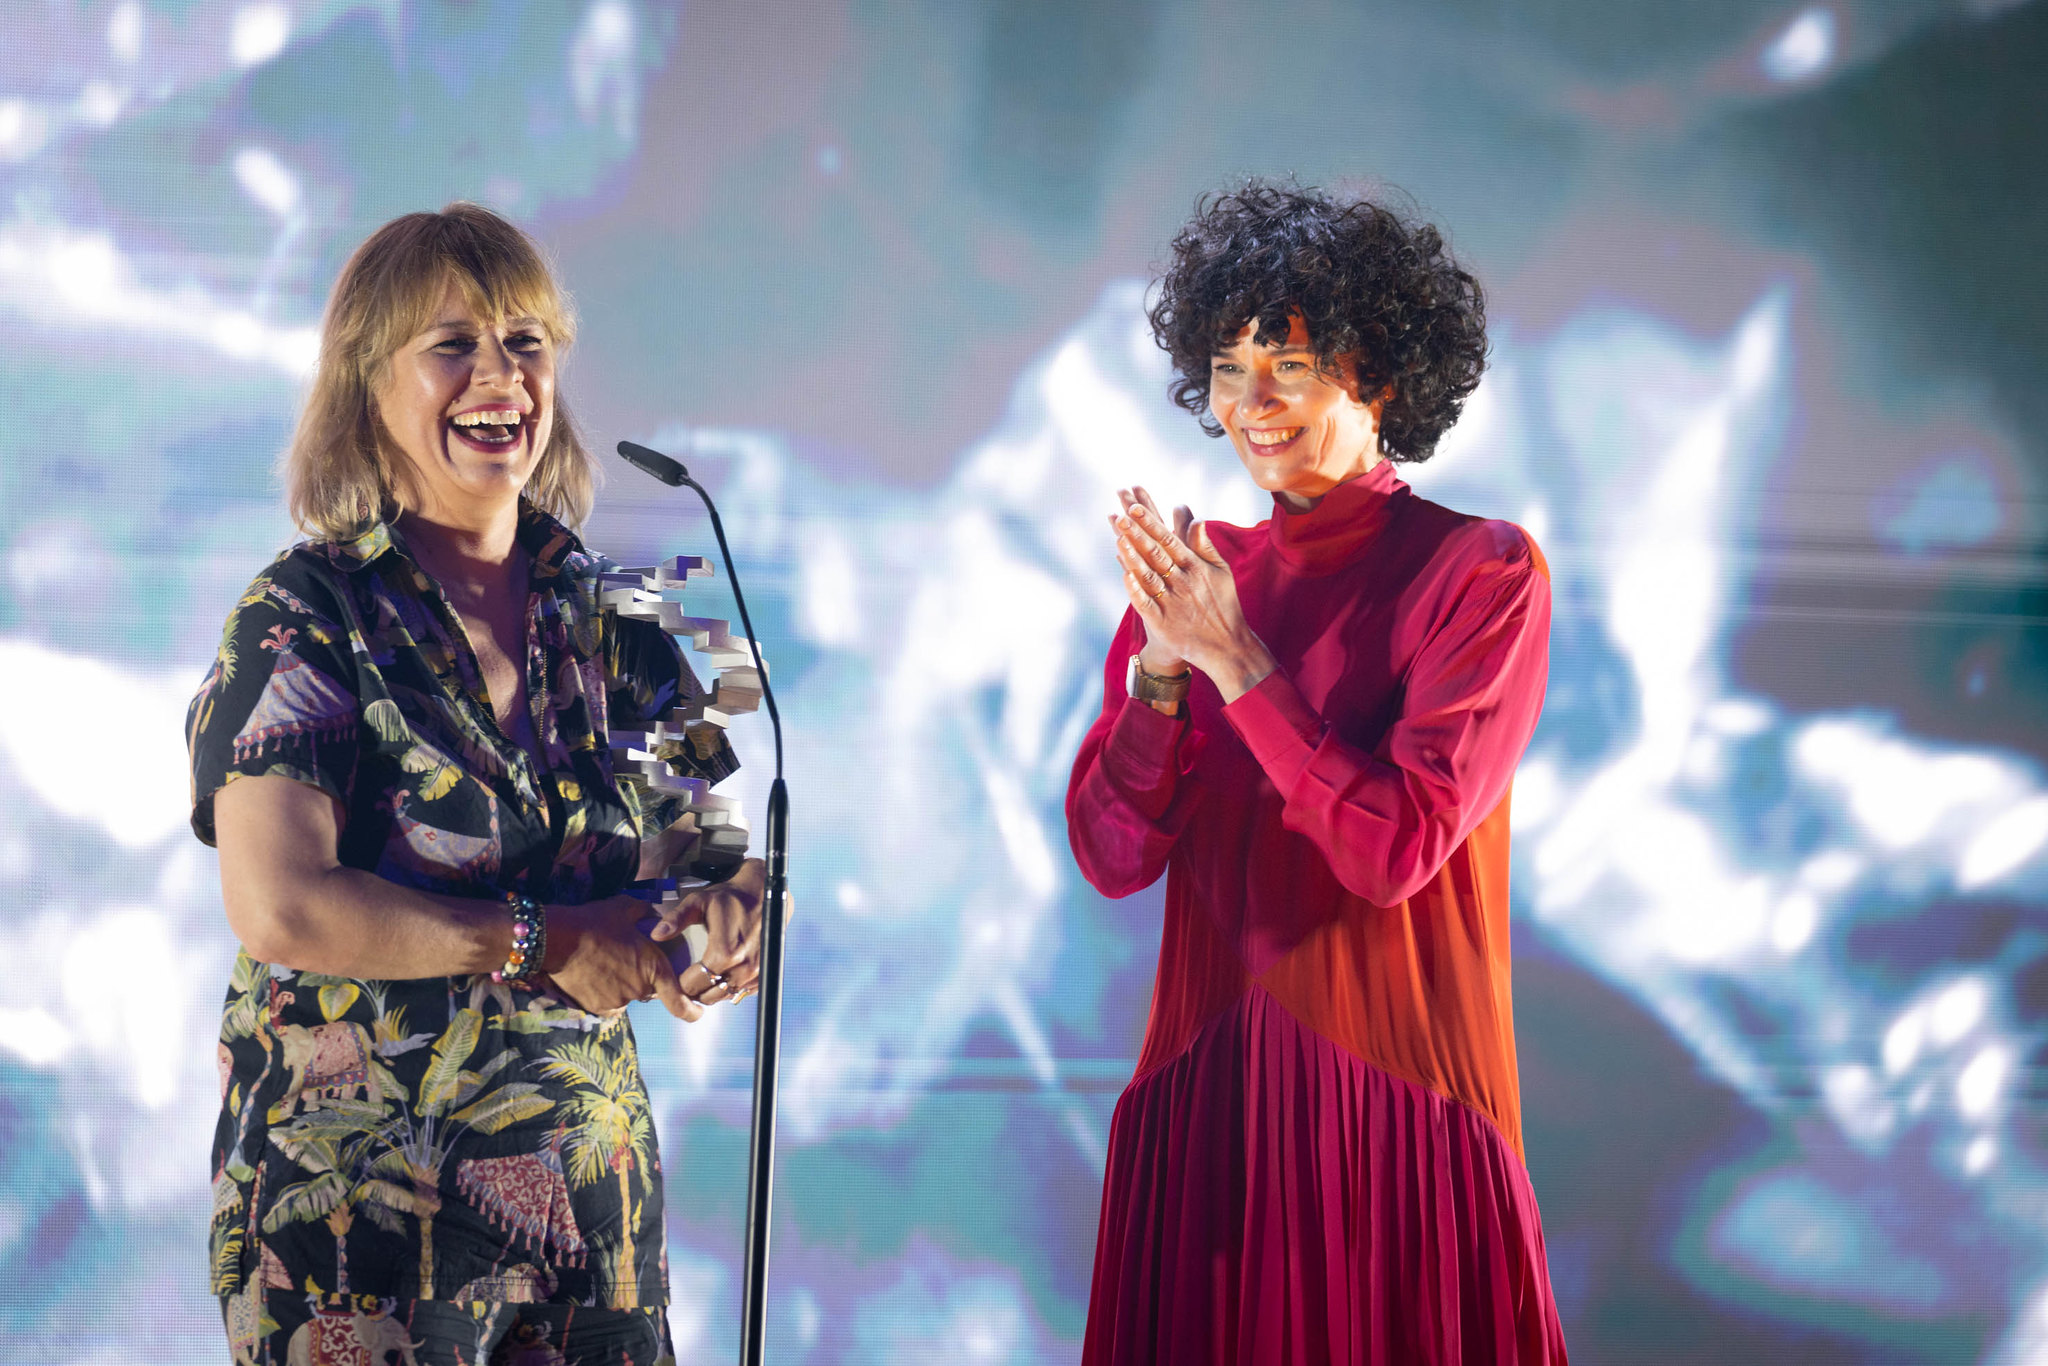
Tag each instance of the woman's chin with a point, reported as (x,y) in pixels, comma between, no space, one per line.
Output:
(1274,477)
(480,487)
(479,474)
(495,476)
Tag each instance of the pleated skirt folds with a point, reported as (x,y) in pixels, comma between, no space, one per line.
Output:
(1274,1200)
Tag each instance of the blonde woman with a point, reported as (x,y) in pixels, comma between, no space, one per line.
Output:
(435,1144)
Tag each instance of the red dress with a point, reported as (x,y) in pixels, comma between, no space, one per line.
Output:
(1320,1157)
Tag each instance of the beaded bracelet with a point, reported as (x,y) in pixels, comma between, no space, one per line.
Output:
(529,941)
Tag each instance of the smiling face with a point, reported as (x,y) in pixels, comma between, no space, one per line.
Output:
(1300,432)
(469,402)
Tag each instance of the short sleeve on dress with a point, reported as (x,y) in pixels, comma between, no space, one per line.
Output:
(281,698)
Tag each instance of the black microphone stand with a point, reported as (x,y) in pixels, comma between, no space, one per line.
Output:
(768,1035)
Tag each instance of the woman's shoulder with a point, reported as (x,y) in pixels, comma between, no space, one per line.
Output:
(1470,541)
(311,579)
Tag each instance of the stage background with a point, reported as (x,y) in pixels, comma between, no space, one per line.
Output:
(1769,330)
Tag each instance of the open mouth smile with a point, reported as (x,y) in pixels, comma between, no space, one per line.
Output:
(1272,440)
(488,429)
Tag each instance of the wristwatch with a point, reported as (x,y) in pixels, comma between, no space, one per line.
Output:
(1144,687)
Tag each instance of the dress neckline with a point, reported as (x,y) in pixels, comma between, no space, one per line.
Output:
(1330,534)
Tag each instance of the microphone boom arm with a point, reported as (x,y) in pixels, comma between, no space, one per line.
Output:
(768,1032)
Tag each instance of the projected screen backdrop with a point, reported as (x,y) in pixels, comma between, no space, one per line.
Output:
(1769,323)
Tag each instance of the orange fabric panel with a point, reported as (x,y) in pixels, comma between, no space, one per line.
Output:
(1421,988)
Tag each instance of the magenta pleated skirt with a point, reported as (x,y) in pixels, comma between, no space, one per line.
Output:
(1273,1200)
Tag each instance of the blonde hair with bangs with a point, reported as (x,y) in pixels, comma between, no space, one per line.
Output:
(341,472)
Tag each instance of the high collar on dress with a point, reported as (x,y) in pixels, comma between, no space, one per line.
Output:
(1330,534)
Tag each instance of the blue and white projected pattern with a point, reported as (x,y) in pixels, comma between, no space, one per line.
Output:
(1782,992)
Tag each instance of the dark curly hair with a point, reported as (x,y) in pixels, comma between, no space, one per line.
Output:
(1369,283)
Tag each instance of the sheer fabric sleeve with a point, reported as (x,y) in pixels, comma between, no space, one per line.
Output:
(1388,819)
(281,699)
(1126,801)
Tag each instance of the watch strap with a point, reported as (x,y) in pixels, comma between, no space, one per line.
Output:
(1150,687)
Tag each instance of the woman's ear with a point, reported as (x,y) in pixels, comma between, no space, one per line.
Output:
(1376,405)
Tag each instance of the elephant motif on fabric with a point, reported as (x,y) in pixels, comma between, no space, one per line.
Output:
(327,1062)
(349,1331)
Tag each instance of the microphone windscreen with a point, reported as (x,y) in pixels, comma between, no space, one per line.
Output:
(654,462)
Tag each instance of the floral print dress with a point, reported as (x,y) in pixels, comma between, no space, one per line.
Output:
(414,1171)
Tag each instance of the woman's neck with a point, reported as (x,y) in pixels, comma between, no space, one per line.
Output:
(476,553)
(1305,502)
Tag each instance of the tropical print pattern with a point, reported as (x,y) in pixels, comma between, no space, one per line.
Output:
(391,1152)
(362,1330)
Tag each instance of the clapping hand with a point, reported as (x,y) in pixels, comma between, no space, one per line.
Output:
(1184,593)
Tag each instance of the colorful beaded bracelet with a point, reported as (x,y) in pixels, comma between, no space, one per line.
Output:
(529,941)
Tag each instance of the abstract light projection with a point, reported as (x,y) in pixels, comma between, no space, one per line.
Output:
(1822,911)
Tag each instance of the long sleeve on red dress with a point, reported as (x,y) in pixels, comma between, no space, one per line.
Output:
(1122,806)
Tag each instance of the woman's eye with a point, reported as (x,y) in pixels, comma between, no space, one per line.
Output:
(525,341)
(454,345)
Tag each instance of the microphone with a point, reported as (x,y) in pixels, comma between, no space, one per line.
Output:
(768,1035)
(669,472)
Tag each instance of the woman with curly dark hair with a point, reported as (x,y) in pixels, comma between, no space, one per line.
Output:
(1310,726)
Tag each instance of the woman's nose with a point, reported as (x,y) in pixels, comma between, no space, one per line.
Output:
(1264,396)
(497,362)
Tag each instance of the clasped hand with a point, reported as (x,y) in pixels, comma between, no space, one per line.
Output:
(608,954)
(1184,593)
